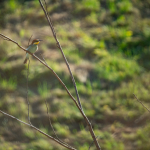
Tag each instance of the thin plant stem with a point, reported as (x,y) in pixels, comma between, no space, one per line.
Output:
(59,46)
(29,40)
(48,112)
(141,103)
(27,93)
(30,125)
(51,123)
(79,103)
(92,143)
(81,111)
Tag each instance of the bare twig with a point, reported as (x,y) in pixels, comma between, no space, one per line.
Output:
(92,143)
(69,147)
(44,59)
(59,46)
(9,39)
(141,103)
(140,118)
(4,37)
(27,93)
(29,40)
(81,111)
(45,64)
(48,112)
(52,125)
(50,120)
(79,103)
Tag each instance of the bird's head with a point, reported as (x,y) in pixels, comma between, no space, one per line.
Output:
(36,41)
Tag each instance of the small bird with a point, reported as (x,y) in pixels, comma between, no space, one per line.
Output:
(33,47)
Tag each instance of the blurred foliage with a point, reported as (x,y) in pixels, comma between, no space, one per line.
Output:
(107,46)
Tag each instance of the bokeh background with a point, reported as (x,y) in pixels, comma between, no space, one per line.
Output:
(107,44)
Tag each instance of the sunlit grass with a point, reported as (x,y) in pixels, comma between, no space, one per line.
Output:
(108,34)
(116,69)
(8,84)
(29,133)
(142,136)
(84,89)
(43,90)
(40,144)
(62,130)
(87,6)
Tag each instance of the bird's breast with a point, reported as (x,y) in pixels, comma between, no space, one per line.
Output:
(32,48)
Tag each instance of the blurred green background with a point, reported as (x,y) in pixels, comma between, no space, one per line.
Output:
(107,44)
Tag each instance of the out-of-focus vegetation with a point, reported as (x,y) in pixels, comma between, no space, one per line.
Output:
(107,43)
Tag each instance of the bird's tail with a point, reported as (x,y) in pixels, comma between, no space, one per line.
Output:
(26,59)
